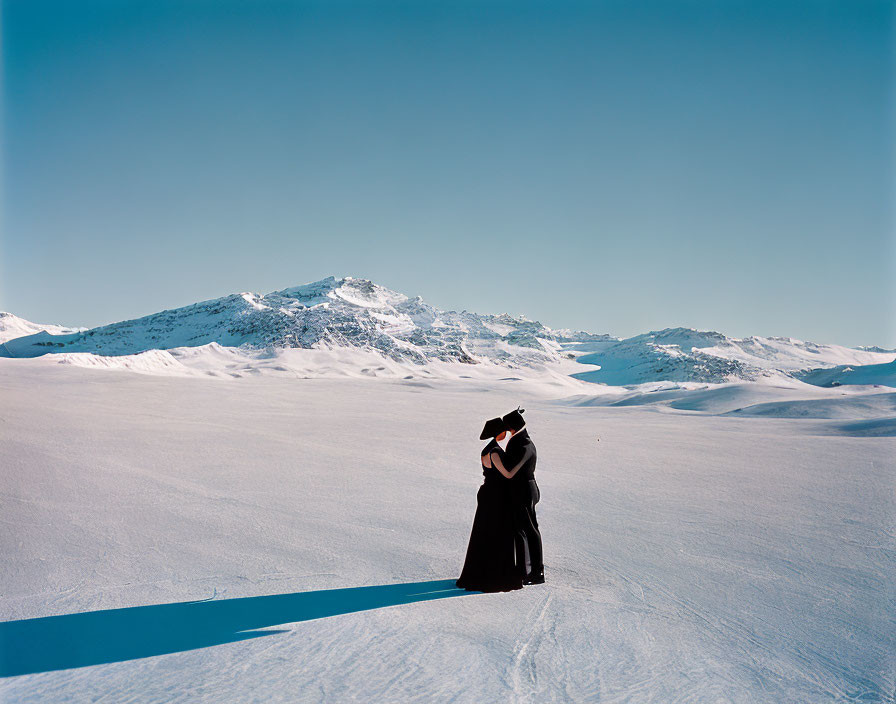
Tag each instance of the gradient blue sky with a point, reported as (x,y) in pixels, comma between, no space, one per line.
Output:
(611,166)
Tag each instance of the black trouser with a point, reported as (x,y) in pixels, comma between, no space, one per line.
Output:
(528,538)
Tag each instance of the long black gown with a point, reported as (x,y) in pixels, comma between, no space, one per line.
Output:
(491,562)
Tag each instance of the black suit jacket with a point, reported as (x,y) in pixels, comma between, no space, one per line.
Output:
(521,448)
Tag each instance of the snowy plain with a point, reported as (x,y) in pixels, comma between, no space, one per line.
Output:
(703,542)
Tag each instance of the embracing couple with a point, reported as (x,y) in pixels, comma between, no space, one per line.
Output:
(505,546)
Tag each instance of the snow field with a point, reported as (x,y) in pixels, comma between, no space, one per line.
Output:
(690,557)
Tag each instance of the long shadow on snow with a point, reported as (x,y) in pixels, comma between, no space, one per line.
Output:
(114,635)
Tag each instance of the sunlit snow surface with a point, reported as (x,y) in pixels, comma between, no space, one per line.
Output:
(703,542)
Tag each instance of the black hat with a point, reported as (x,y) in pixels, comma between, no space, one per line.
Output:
(493,428)
(514,420)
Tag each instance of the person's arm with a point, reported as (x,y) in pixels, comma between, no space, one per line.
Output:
(508,473)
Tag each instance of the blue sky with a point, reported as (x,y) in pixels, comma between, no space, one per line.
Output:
(611,166)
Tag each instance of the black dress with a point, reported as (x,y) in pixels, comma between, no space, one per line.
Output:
(491,563)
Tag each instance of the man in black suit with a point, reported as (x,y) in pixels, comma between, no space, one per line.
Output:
(524,495)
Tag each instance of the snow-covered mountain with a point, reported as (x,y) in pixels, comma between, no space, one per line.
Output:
(683,355)
(12,327)
(867,374)
(336,314)
(333,313)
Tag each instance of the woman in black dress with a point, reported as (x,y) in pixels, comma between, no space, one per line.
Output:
(491,562)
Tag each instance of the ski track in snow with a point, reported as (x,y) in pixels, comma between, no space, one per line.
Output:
(524,665)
